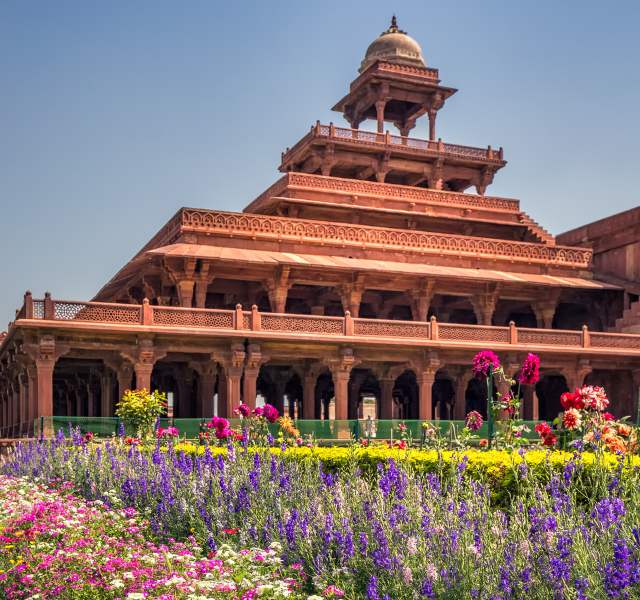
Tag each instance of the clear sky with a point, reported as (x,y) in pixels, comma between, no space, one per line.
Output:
(114,114)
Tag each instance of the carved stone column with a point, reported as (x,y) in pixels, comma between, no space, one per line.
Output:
(233,365)
(545,309)
(309,393)
(125,376)
(386,397)
(484,304)
(459,408)
(45,355)
(425,376)
(340,372)
(208,373)
(106,393)
(432,123)
(202,281)
(351,294)
(144,357)
(251,372)
(576,375)
(380,104)
(421,300)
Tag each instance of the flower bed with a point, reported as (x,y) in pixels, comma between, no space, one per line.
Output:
(55,544)
(387,532)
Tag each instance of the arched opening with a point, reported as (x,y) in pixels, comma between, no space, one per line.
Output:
(405,396)
(521,313)
(180,383)
(324,393)
(570,315)
(475,396)
(364,394)
(549,389)
(443,396)
(84,388)
(620,389)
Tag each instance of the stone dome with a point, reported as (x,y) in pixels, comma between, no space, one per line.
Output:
(394,46)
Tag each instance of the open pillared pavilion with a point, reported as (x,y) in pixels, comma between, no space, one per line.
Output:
(375,267)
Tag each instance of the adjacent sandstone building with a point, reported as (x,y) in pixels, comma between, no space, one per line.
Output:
(375,267)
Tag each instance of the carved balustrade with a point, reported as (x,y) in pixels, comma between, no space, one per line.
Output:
(387,141)
(345,234)
(332,328)
(384,190)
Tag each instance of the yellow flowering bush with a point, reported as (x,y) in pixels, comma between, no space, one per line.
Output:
(139,409)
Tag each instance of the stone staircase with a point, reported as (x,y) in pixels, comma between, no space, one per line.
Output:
(543,235)
(629,322)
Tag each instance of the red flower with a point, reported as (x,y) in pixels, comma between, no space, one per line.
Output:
(530,372)
(542,429)
(549,440)
(484,443)
(608,416)
(230,531)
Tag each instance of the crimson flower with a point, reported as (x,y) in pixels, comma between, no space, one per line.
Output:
(530,371)
(484,361)
(542,429)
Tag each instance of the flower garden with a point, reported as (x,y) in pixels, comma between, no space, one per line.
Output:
(243,513)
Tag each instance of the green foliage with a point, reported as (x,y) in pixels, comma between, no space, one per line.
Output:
(139,409)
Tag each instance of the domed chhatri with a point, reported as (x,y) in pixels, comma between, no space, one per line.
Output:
(394,46)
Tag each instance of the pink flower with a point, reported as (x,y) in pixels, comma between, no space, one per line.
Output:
(530,372)
(243,409)
(484,361)
(333,591)
(473,420)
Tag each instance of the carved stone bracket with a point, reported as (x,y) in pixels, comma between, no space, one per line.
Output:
(278,289)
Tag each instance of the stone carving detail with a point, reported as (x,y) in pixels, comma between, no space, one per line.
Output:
(217,319)
(380,328)
(601,340)
(297,229)
(551,338)
(447,331)
(302,324)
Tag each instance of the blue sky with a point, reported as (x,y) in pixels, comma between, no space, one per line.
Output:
(114,114)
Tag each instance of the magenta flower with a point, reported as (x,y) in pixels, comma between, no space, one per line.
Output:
(483,361)
(474,420)
(530,372)
(270,413)
(243,410)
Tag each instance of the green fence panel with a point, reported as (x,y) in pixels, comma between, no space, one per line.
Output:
(329,430)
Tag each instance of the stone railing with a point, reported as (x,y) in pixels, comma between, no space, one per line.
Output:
(290,326)
(395,142)
(410,194)
(255,226)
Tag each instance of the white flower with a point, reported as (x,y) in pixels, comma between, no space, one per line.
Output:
(116,584)
(135,596)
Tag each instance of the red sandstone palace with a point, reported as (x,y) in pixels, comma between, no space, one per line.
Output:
(369,269)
